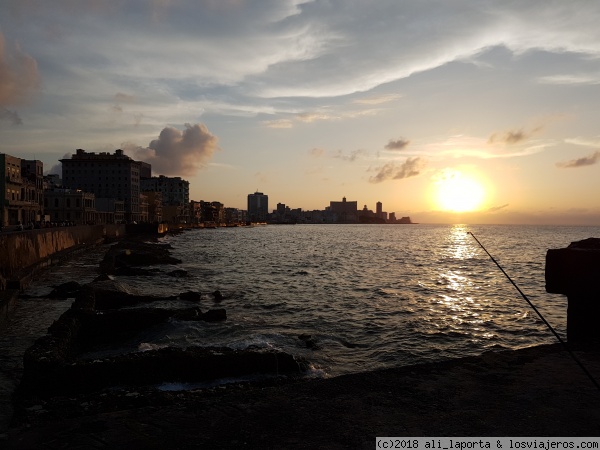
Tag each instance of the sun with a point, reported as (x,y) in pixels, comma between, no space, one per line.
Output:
(457,192)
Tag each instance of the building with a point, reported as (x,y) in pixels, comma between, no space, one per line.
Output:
(233,216)
(70,205)
(175,194)
(258,207)
(155,205)
(52,180)
(344,211)
(107,176)
(22,190)
(212,213)
(110,210)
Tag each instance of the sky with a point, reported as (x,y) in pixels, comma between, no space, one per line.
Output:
(447,111)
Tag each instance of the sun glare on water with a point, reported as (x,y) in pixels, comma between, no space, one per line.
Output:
(457,192)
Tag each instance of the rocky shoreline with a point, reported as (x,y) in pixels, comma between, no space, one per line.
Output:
(70,399)
(536,391)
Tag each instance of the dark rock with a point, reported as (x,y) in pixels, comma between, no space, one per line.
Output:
(190,296)
(134,272)
(64,375)
(309,341)
(65,290)
(215,315)
(132,253)
(102,277)
(218,296)
(178,273)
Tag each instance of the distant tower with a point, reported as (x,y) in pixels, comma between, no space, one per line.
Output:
(258,207)
(379,210)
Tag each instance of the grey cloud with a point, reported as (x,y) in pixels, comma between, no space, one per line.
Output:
(409,168)
(589,160)
(498,208)
(57,168)
(399,144)
(124,98)
(176,152)
(353,156)
(10,116)
(512,137)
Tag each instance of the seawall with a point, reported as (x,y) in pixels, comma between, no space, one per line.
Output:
(22,253)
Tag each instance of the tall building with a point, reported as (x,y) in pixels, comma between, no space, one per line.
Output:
(258,207)
(379,212)
(107,176)
(344,211)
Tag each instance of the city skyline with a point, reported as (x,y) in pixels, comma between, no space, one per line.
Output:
(447,112)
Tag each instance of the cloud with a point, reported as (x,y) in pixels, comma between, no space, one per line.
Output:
(399,144)
(409,168)
(10,116)
(124,98)
(314,116)
(512,137)
(57,168)
(497,208)
(176,152)
(19,76)
(377,100)
(278,123)
(316,152)
(589,160)
(575,79)
(353,156)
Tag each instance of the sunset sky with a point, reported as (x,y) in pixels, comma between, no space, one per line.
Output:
(431,107)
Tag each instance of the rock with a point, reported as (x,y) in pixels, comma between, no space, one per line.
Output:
(102,277)
(132,253)
(134,272)
(309,341)
(190,296)
(218,296)
(215,315)
(65,290)
(178,273)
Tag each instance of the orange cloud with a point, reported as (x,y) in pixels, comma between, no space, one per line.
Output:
(19,76)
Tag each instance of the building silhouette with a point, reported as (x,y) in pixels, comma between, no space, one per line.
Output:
(344,211)
(106,175)
(258,207)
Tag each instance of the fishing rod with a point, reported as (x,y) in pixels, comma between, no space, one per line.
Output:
(563,343)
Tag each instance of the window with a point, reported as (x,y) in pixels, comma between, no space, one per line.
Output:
(56,203)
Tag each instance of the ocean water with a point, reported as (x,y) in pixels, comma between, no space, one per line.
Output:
(369,296)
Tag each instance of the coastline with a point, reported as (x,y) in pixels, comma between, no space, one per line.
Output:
(535,391)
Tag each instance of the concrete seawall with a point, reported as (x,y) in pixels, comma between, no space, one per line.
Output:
(24,250)
(22,253)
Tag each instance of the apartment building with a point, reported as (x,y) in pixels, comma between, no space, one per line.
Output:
(107,176)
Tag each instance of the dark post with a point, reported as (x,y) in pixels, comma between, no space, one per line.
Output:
(575,272)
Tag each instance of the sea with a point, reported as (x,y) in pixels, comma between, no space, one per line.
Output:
(343,298)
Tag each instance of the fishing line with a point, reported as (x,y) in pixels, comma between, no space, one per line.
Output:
(564,344)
